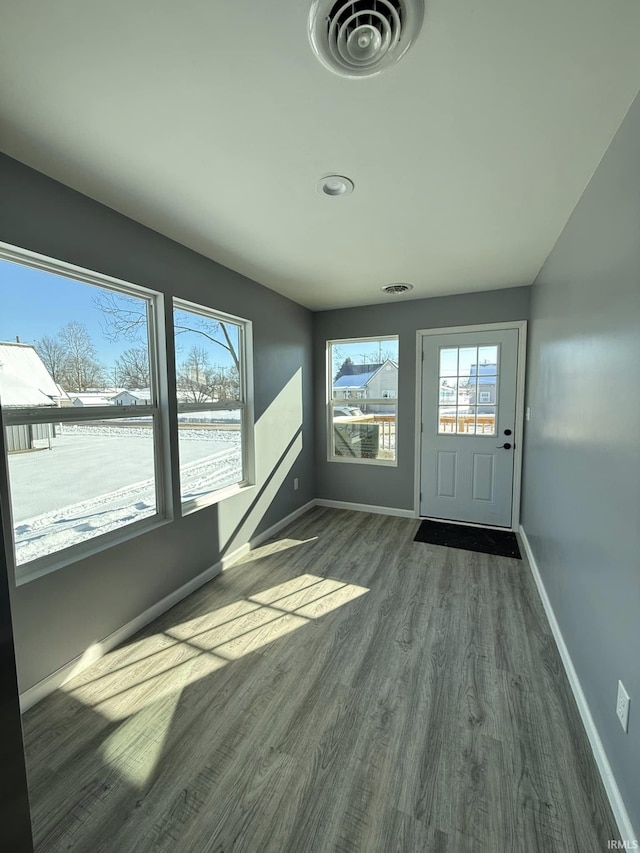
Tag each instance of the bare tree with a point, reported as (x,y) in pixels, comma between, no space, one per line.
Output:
(126,317)
(82,369)
(112,376)
(344,364)
(132,368)
(225,383)
(53,355)
(195,379)
(339,357)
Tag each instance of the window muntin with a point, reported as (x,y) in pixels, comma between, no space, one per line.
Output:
(212,390)
(362,400)
(467,389)
(79,465)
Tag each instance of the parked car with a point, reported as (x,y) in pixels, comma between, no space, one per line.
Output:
(347,412)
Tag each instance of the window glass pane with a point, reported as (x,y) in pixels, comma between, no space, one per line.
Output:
(70,345)
(210,451)
(488,359)
(486,420)
(72,482)
(474,390)
(447,419)
(359,435)
(468,357)
(365,370)
(449,361)
(208,351)
(364,388)
(485,391)
(91,342)
(448,391)
(209,370)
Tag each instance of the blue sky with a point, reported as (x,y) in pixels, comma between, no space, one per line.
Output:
(34,303)
(363,352)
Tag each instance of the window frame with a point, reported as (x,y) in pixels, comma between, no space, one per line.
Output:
(331,400)
(245,404)
(15,416)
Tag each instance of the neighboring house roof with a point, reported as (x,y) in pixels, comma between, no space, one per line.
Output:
(62,394)
(90,398)
(360,378)
(370,367)
(487,374)
(138,393)
(14,392)
(24,380)
(141,393)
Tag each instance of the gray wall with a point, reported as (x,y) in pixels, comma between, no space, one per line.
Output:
(581,501)
(381,485)
(58,616)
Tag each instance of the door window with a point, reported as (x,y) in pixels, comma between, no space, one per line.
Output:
(467,389)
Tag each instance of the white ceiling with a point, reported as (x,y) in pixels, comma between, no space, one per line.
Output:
(211,121)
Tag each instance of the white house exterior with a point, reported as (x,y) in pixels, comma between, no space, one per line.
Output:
(486,377)
(89,398)
(135,397)
(368,381)
(25,381)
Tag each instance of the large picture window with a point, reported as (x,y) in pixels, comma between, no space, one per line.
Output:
(90,446)
(212,389)
(362,399)
(78,391)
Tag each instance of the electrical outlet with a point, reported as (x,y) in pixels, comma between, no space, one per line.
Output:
(296,484)
(622,706)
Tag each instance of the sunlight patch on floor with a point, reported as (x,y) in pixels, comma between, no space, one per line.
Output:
(165,663)
(273,548)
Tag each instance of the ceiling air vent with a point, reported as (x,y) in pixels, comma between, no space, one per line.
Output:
(400,287)
(361,38)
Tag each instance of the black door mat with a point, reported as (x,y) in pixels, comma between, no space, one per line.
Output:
(502,543)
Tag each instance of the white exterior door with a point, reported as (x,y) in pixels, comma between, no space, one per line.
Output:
(468,426)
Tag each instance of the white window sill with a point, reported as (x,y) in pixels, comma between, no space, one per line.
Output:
(385,463)
(215,497)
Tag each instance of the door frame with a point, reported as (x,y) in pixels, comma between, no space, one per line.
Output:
(518,432)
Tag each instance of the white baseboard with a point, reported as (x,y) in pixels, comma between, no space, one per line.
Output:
(380,510)
(620,813)
(52,682)
(277,527)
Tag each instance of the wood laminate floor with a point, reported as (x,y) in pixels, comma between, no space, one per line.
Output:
(342,689)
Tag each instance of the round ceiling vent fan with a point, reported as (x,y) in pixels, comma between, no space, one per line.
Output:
(398,287)
(363,37)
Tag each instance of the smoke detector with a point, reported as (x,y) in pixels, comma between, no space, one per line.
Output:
(398,287)
(360,38)
(334,185)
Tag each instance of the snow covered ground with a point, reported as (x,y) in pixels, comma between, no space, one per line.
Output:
(97,479)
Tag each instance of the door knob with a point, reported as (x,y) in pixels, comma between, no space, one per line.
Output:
(505,446)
